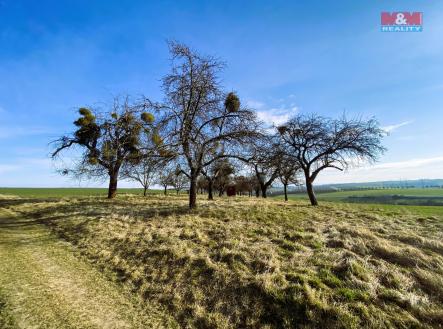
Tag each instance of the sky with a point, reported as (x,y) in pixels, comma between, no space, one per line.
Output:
(283,58)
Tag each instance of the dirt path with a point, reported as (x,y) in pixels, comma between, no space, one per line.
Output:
(44,285)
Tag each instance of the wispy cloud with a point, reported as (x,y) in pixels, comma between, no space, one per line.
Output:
(415,168)
(255,105)
(391,128)
(412,163)
(14,131)
(357,164)
(276,116)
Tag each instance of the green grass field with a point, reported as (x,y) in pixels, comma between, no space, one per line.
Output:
(430,197)
(67,192)
(387,196)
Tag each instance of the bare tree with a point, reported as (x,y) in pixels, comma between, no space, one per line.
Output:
(224,178)
(179,181)
(108,140)
(217,176)
(255,185)
(244,184)
(288,175)
(315,143)
(200,119)
(265,157)
(202,184)
(166,178)
(266,175)
(143,172)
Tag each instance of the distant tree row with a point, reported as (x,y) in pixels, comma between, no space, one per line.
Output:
(202,138)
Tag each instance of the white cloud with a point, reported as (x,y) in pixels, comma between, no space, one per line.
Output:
(255,105)
(417,168)
(277,116)
(14,131)
(272,119)
(391,128)
(412,163)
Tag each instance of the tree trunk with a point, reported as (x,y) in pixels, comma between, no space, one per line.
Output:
(285,188)
(145,189)
(193,191)
(257,192)
(210,184)
(311,194)
(166,187)
(263,190)
(112,190)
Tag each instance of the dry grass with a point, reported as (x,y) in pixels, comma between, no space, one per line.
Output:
(263,263)
(44,285)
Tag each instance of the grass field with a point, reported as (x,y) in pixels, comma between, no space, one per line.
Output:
(430,197)
(67,192)
(253,263)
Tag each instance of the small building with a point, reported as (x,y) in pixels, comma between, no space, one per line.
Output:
(231,191)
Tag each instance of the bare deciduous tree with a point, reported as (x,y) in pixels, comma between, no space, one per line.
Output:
(202,184)
(143,172)
(179,181)
(315,143)
(200,119)
(287,175)
(217,176)
(264,157)
(244,184)
(166,178)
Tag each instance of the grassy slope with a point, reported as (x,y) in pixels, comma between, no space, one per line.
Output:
(43,285)
(253,263)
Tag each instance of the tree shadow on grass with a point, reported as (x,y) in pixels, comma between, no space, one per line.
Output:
(14,223)
(6,203)
(91,210)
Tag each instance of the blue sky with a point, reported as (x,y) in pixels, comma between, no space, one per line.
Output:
(283,57)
